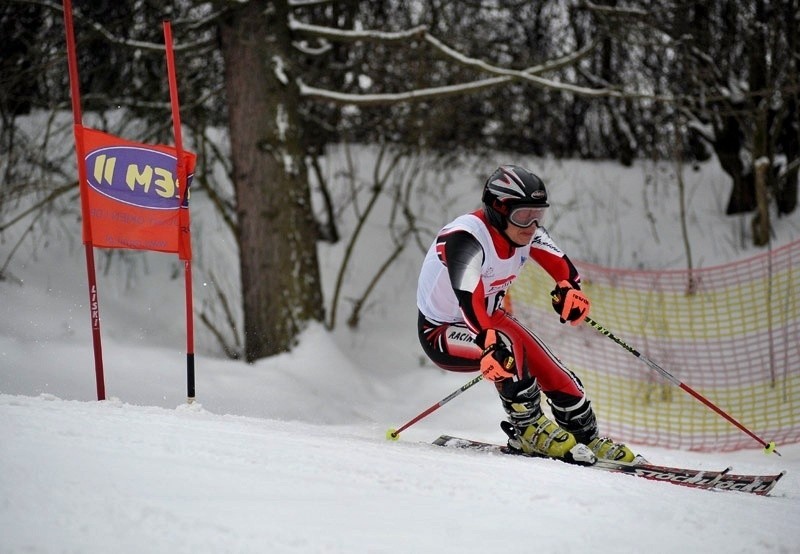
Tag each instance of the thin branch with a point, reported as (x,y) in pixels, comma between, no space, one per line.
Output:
(55,193)
(394,97)
(223,206)
(355,313)
(327,229)
(114,39)
(614,10)
(350,35)
(789,167)
(307,3)
(504,75)
(377,188)
(4,268)
(232,351)
(552,65)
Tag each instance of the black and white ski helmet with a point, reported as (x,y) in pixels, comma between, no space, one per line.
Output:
(509,187)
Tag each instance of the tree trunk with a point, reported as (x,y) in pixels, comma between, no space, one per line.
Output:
(760,223)
(728,145)
(762,155)
(786,186)
(280,279)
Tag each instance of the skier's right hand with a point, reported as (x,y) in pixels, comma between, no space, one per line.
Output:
(497,361)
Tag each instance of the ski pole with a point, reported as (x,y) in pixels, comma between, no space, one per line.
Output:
(394,434)
(768,446)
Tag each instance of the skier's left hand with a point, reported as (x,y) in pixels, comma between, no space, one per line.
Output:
(569,303)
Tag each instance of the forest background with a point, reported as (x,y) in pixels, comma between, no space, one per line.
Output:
(268,88)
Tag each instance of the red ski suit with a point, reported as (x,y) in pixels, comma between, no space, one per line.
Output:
(466,273)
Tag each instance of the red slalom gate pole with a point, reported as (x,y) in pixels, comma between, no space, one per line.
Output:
(394,434)
(80,154)
(184,227)
(769,447)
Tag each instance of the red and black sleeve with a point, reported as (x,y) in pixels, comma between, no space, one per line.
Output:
(544,252)
(463,255)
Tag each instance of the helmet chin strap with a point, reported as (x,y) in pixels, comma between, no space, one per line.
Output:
(505,236)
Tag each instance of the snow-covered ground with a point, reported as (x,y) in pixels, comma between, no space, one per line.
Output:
(289,454)
(116,477)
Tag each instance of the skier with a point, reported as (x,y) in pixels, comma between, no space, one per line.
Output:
(462,325)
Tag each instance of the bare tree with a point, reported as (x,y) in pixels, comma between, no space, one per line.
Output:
(277,74)
(732,68)
(276,227)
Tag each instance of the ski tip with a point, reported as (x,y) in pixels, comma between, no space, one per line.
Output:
(443,440)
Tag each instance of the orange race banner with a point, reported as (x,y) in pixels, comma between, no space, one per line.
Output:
(134,195)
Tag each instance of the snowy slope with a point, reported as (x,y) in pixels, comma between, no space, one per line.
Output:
(289,454)
(99,477)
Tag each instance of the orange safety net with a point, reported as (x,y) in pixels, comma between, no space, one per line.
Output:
(730,332)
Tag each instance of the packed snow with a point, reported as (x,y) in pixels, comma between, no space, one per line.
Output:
(289,454)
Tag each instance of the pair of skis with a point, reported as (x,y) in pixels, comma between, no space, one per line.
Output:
(694,478)
(702,479)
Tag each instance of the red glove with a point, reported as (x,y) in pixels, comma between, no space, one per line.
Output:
(569,303)
(497,361)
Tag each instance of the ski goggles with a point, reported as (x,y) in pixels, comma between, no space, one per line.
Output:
(525,216)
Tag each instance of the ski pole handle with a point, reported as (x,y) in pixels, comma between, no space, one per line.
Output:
(394,434)
(769,447)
